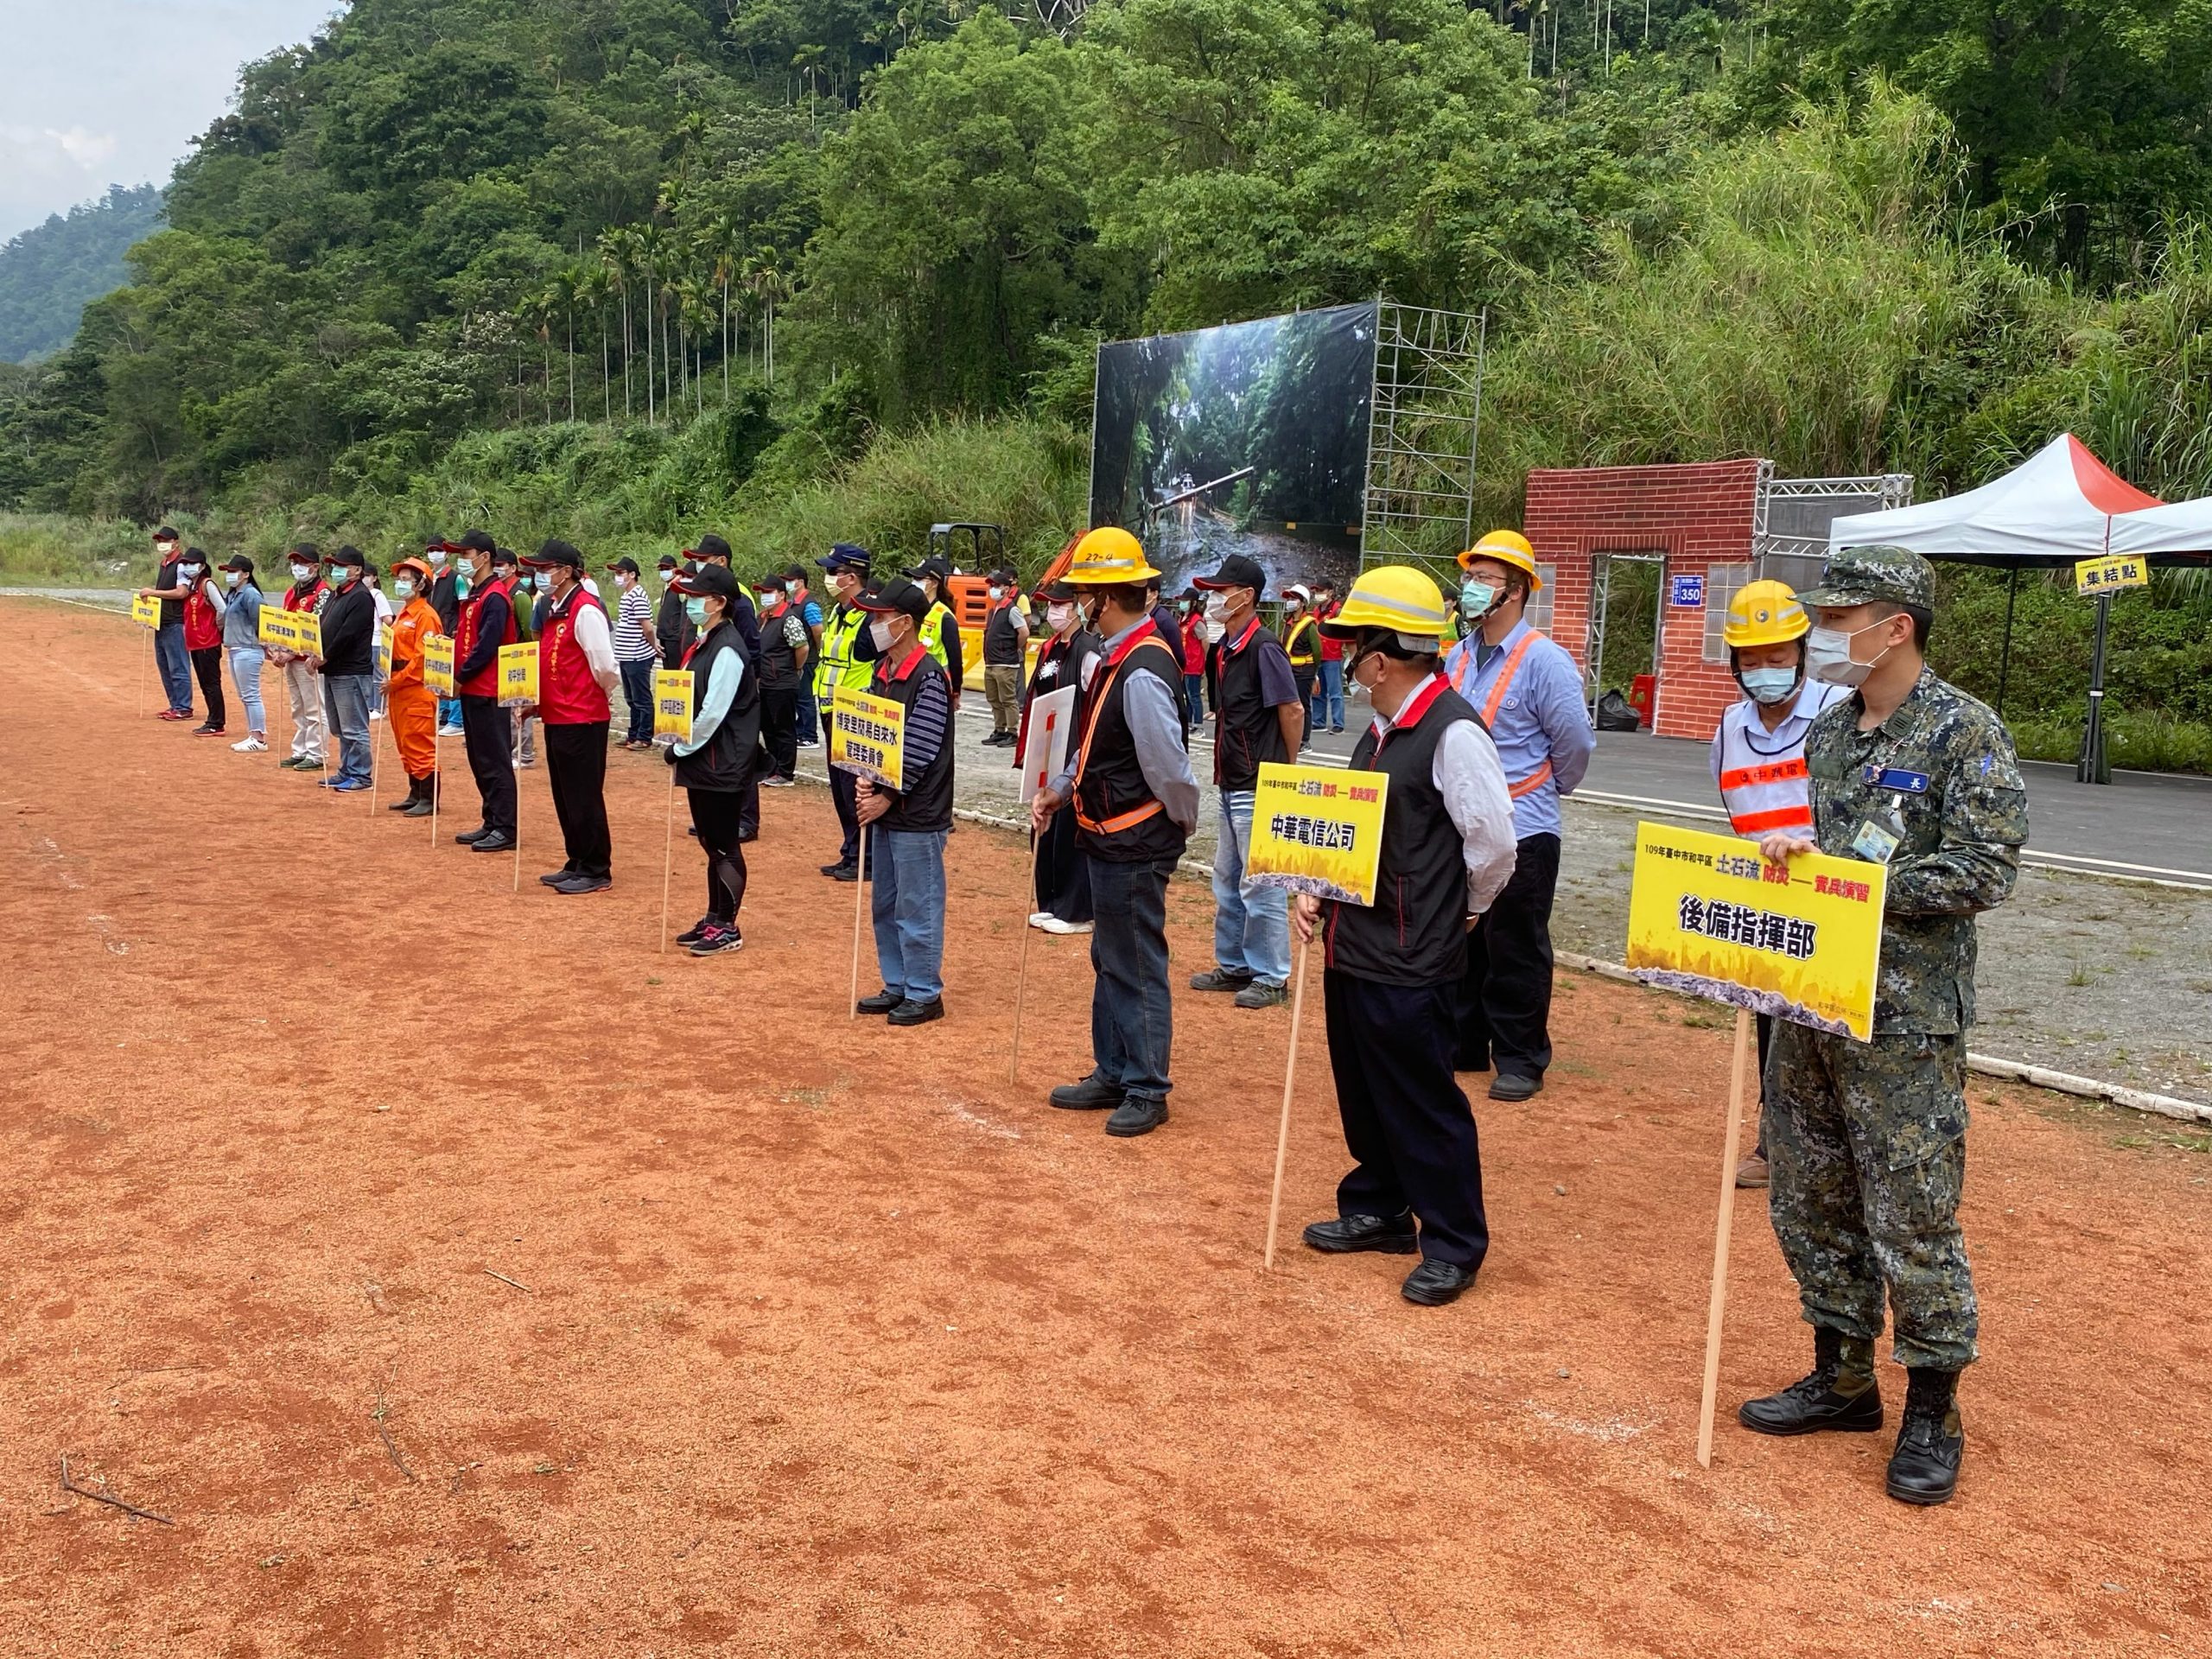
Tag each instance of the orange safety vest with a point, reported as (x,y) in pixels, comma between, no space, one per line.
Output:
(1517,787)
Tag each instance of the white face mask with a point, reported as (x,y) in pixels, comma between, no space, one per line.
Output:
(1769,685)
(996,593)
(1212,630)
(437,555)
(232,578)
(1827,656)
(880,631)
(190,569)
(1059,615)
(303,572)
(1216,608)
(767,602)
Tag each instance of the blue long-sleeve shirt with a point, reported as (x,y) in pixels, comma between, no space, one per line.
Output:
(722,681)
(1541,726)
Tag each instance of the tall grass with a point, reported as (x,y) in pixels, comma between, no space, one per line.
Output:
(42,550)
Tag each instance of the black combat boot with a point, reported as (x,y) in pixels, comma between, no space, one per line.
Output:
(1839,1394)
(1924,1468)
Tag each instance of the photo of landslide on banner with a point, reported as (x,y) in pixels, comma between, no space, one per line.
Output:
(1249,438)
(1708,916)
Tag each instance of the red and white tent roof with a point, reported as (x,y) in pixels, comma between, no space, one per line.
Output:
(2060,505)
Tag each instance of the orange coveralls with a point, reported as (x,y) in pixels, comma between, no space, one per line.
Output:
(414,711)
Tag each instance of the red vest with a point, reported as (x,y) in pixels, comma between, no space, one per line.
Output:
(484,683)
(567,693)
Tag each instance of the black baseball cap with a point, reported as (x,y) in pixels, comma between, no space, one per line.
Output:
(710,547)
(306,553)
(706,579)
(669,561)
(896,596)
(1236,571)
(626,563)
(505,555)
(237,562)
(936,567)
(556,552)
(348,555)
(794,573)
(1058,592)
(476,541)
(165,534)
(1003,576)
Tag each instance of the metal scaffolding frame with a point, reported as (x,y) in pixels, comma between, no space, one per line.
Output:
(1422,435)
(1785,555)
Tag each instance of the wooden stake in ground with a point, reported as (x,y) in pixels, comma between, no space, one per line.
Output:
(667,859)
(860,909)
(522,725)
(376,746)
(1282,1132)
(437,778)
(1021,979)
(145,671)
(1721,1229)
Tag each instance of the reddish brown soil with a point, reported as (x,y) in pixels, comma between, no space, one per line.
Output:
(834,1340)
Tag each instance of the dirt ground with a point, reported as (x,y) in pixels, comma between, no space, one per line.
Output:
(459,1276)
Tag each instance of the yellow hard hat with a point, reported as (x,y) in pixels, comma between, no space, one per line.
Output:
(1108,555)
(1507,547)
(1763,614)
(1394,596)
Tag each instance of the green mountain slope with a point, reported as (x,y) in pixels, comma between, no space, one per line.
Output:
(49,272)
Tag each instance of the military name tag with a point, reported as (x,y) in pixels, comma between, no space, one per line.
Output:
(1895,777)
(1873,843)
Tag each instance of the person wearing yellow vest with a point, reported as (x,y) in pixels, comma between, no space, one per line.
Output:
(940,630)
(847,665)
(1528,693)
(1301,643)
(1759,753)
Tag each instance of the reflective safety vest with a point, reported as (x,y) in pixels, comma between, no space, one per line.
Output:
(1517,787)
(1302,644)
(1763,779)
(839,630)
(931,632)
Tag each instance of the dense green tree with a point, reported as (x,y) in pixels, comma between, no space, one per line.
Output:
(49,271)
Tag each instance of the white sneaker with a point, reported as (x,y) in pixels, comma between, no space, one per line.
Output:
(779,783)
(376,713)
(450,731)
(1054,925)
(249,744)
(1039,917)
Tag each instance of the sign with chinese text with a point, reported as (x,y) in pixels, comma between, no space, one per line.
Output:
(274,632)
(1318,829)
(307,633)
(1044,742)
(1686,593)
(146,611)
(672,703)
(384,648)
(1708,916)
(2109,575)
(518,675)
(867,735)
(437,665)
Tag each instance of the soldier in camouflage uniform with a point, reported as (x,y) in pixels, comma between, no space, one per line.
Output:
(1867,1141)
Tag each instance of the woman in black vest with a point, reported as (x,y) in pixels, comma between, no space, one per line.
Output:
(1394,968)
(1065,659)
(715,763)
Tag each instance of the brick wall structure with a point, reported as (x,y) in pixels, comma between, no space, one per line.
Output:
(1696,515)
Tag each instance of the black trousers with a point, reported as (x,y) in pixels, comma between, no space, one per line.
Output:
(1505,997)
(1304,679)
(487,733)
(207,663)
(575,766)
(779,729)
(1062,871)
(1407,1126)
(846,802)
(715,815)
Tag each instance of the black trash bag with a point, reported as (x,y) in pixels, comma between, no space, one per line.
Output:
(1614,714)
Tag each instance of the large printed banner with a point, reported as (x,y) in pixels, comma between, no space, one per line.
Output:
(867,735)
(1707,916)
(1318,829)
(1044,749)
(518,675)
(146,612)
(672,703)
(437,665)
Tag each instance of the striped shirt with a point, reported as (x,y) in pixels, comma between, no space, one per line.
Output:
(925,724)
(633,628)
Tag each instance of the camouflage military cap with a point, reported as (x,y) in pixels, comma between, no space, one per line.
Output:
(1874,575)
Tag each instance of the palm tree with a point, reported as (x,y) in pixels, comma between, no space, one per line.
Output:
(766,276)
(652,244)
(618,260)
(723,236)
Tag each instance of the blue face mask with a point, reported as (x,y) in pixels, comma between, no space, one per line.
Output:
(1769,685)
(696,610)
(1476,599)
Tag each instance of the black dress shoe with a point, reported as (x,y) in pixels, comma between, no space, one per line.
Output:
(882,1002)
(834,869)
(1136,1115)
(746,836)
(1931,1441)
(1091,1094)
(1434,1283)
(1508,1086)
(468,836)
(846,873)
(911,1013)
(1392,1235)
(499,841)
(579,882)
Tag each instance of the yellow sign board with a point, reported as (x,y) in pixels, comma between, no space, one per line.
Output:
(273,632)
(146,611)
(307,633)
(383,648)
(437,665)
(1318,829)
(867,735)
(2109,575)
(1708,916)
(672,703)
(517,675)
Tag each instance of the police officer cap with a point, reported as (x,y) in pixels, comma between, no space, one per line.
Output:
(844,556)
(1874,575)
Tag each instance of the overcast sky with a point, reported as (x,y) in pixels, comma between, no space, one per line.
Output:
(95,93)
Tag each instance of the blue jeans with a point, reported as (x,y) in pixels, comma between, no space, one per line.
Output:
(174,663)
(907,867)
(1132,1016)
(638,692)
(1329,695)
(1251,924)
(448,711)
(245,674)
(1194,697)
(803,730)
(346,698)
